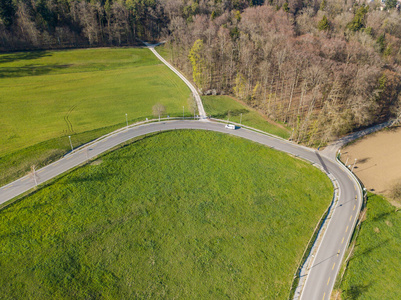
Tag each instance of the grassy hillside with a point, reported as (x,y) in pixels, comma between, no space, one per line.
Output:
(224,107)
(373,271)
(48,95)
(170,216)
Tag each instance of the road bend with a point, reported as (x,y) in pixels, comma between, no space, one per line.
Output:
(326,264)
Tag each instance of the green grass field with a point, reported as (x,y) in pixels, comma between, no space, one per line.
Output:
(373,270)
(48,95)
(170,216)
(224,107)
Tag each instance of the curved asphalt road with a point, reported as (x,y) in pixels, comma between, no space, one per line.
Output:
(320,280)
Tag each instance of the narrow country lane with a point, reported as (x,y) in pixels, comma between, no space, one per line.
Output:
(320,272)
(321,277)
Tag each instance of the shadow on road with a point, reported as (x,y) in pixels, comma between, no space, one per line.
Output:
(322,162)
(314,265)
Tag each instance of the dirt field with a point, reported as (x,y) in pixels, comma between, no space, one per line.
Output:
(378,157)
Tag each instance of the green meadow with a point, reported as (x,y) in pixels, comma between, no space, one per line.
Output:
(373,269)
(227,108)
(169,216)
(47,96)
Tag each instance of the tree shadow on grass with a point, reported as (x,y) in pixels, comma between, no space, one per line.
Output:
(370,249)
(382,216)
(231,113)
(10,57)
(29,70)
(357,290)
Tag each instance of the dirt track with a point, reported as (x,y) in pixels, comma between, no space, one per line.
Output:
(378,157)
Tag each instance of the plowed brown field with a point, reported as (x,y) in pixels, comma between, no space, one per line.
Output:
(378,162)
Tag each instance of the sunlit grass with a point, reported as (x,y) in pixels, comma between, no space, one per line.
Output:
(373,271)
(183,214)
(226,108)
(48,95)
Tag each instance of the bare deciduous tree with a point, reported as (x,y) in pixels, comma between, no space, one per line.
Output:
(158,109)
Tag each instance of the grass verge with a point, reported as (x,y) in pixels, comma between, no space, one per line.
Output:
(168,216)
(373,269)
(225,107)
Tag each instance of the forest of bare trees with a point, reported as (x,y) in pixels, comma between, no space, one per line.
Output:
(323,67)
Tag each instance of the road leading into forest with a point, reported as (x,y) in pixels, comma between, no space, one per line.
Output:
(325,267)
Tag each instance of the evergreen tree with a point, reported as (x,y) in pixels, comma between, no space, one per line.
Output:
(323,24)
(7,12)
(213,16)
(390,3)
(381,42)
(285,7)
(358,22)
(323,5)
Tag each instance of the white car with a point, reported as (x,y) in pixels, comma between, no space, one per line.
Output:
(230,126)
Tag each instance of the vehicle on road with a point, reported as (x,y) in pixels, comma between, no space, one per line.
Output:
(230,126)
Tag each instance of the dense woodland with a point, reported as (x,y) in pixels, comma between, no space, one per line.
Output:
(323,68)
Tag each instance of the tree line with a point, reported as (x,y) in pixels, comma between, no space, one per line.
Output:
(45,24)
(324,68)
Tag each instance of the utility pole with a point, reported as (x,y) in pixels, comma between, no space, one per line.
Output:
(346,162)
(240,120)
(72,148)
(126,119)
